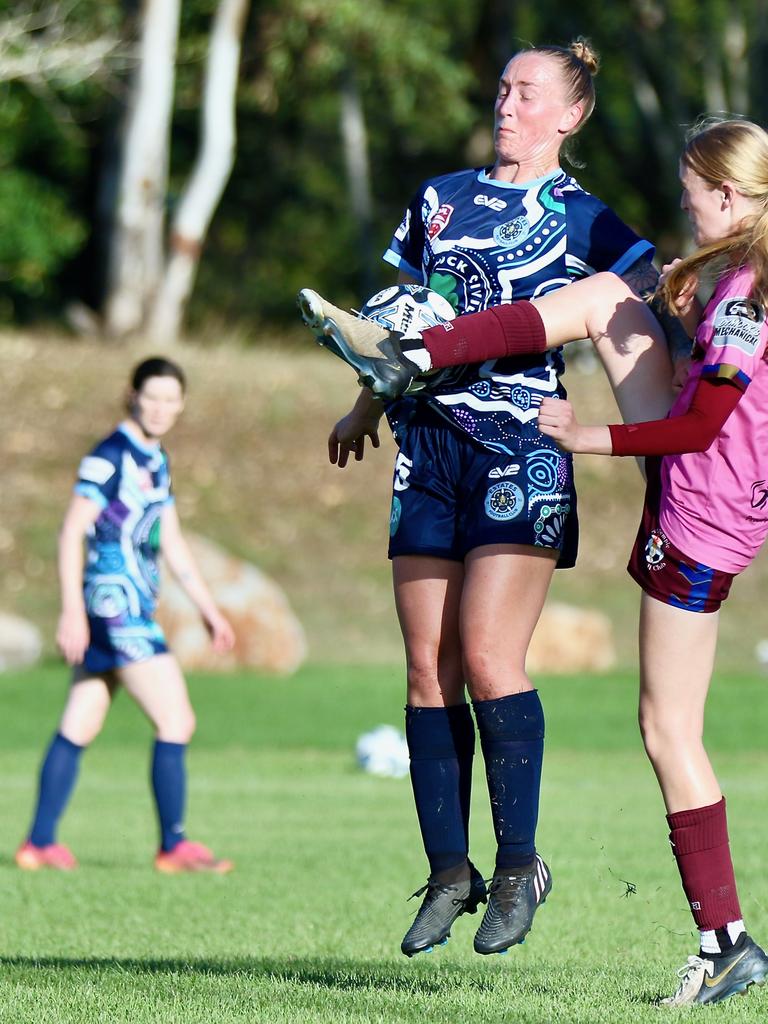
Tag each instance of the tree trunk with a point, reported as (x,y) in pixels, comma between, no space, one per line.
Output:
(209,175)
(136,251)
(355,145)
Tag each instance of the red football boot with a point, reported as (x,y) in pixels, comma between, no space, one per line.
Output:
(54,855)
(189,856)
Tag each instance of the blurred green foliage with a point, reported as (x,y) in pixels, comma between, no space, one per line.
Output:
(426,78)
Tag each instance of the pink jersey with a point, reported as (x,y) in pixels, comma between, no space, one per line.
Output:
(714,504)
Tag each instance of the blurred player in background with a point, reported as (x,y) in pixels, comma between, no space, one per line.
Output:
(124,511)
(484,506)
(706,507)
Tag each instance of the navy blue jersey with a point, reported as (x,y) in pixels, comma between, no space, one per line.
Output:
(130,482)
(481,242)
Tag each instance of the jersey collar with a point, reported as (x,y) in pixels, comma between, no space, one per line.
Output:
(484,178)
(147,449)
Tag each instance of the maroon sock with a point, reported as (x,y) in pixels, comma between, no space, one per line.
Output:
(699,839)
(512,329)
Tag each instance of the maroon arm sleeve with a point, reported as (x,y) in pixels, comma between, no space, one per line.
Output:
(512,329)
(713,402)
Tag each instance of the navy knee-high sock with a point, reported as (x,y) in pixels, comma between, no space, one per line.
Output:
(512,737)
(441,742)
(57,780)
(169,785)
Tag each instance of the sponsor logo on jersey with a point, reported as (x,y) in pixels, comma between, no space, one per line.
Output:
(501,471)
(403,466)
(504,501)
(492,202)
(95,470)
(738,322)
(759,494)
(440,220)
(509,234)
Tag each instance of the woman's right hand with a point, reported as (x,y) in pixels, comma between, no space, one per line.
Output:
(349,434)
(73,635)
(687,295)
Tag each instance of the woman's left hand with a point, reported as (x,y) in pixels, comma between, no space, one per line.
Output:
(557,420)
(221,632)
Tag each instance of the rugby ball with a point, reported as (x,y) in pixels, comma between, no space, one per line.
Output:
(408,309)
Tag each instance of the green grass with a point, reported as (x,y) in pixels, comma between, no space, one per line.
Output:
(308,927)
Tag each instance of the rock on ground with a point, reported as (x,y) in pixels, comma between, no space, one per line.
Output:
(268,634)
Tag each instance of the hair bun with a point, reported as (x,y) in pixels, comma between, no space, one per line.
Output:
(582,49)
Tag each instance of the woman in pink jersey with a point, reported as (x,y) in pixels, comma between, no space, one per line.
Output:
(706,507)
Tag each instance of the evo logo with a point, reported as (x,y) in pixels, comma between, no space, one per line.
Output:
(498,472)
(492,202)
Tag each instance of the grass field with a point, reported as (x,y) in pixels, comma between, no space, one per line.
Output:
(307,928)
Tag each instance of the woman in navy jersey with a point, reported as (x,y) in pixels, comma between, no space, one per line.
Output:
(484,507)
(705,514)
(124,512)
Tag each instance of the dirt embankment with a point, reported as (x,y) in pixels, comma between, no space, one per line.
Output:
(250,471)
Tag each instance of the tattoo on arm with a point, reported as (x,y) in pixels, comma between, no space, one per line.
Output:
(643,278)
(678,339)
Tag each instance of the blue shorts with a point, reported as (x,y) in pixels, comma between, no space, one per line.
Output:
(450,495)
(122,631)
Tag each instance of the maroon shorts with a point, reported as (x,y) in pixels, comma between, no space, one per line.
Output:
(662,570)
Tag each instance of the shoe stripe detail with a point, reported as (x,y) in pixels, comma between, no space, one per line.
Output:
(541,871)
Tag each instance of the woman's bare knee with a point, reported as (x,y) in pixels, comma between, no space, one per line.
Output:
(177,725)
(87,705)
(489,676)
(664,735)
(432,683)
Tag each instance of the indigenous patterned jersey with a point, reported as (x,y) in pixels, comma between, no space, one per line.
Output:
(480,242)
(131,484)
(714,504)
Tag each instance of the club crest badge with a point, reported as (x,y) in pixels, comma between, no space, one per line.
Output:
(511,233)
(504,501)
(654,550)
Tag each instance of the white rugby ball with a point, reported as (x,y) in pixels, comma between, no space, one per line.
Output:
(408,308)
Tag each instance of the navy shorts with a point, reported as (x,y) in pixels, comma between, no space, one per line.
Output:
(450,495)
(122,632)
(662,570)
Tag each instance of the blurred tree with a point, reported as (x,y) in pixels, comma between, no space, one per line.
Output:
(209,175)
(55,62)
(342,108)
(148,289)
(136,244)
